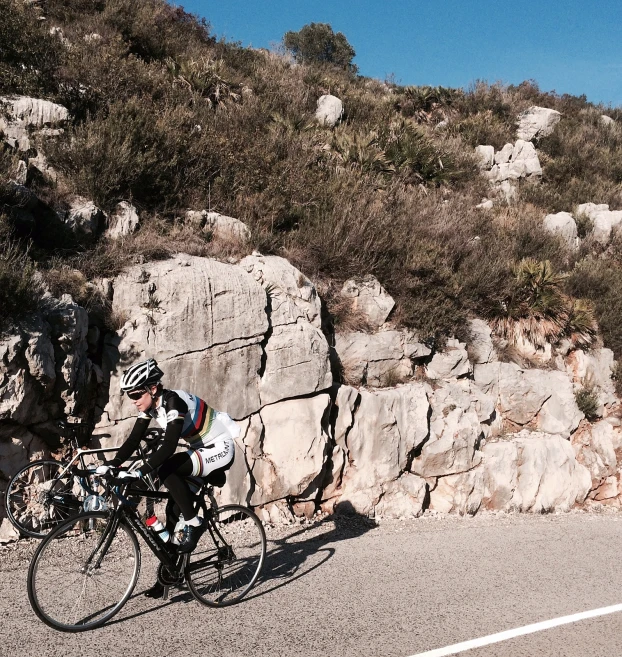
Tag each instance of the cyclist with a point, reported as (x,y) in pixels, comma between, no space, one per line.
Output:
(209,435)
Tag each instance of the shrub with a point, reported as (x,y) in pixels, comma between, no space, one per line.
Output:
(20,288)
(30,55)
(588,403)
(600,281)
(317,43)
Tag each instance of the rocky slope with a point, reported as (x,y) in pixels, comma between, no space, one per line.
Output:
(462,432)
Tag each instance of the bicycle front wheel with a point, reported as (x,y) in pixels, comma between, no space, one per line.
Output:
(83,573)
(38,498)
(228,558)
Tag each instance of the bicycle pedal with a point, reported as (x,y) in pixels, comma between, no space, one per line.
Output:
(165,593)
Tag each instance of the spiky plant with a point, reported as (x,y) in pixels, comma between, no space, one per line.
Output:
(537,310)
(203,76)
(359,150)
(582,327)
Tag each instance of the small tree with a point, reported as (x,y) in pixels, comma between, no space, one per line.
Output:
(317,42)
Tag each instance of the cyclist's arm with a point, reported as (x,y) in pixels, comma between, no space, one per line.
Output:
(176,409)
(133,440)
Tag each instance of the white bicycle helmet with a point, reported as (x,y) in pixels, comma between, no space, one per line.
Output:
(141,375)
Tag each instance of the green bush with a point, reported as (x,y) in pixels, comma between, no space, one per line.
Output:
(317,43)
(587,401)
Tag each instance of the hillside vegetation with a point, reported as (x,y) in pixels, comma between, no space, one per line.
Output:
(169,118)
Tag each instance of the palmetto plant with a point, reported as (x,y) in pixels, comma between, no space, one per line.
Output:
(537,309)
(203,76)
(415,156)
(425,102)
(362,151)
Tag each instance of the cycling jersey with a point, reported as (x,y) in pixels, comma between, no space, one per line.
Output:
(182,415)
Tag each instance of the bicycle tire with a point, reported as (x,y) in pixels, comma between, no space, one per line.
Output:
(80,576)
(37,500)
(221,575)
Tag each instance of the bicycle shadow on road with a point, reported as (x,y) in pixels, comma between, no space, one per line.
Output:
(291,557)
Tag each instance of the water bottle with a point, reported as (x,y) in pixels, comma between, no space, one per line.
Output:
(155,525)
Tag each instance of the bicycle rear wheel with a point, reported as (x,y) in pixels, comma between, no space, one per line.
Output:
(83,573)
(38,499)
(228,558)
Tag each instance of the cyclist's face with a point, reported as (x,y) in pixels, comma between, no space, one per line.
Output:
(144,402)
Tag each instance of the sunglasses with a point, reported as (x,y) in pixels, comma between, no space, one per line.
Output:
(136,394)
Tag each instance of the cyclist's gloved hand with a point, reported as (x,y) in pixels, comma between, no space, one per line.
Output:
(134,474)
(103,469)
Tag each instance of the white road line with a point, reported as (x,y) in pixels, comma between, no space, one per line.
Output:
(519,631)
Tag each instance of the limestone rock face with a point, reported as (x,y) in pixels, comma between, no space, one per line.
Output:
(403,498)
(123,221)
(203,320)
(377,358)
(594,448)
(451,363)
(564,225)
(456,430)
(45,369)
(289,455)
(369,299)
(292,296)
(461,493)
(329,110)
(387,426)
(26,113)
(296,363)
(537,122)
(594,369)
(549,477)
(212,324)
(533,472)
(481,348)
(524,394)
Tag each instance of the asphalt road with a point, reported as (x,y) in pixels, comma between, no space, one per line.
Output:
(348,588)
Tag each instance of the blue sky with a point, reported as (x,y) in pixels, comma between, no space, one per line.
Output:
(568,46)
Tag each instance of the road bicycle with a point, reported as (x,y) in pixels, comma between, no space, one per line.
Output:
(46,492)
(85,570)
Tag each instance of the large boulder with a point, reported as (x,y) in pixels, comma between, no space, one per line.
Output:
(84,217)
(329,110)
(564,225)
(239,347)
(604,221)
(460,493)
(537,122)
(594,448)
(369,300)
(387,427)
(515,161)
(123,221)
(549,477)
